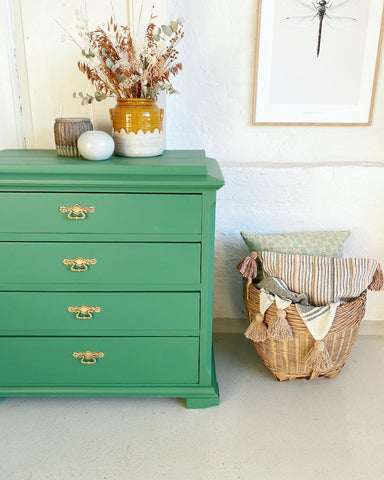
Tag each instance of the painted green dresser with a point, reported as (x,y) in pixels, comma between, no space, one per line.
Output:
(106,278)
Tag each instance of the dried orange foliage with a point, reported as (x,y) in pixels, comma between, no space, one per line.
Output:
(116,65)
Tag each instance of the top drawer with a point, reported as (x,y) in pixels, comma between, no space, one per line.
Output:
(108,213)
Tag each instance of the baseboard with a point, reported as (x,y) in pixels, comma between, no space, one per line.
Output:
(371,327)
(238,325)
(229,325)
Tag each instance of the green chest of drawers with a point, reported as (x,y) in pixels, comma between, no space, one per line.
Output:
(106,278)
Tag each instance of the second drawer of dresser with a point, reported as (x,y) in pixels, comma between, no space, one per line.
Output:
(41,265)
(104,313)
(34,361)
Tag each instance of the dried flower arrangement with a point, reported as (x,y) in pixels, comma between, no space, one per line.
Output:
(117,65)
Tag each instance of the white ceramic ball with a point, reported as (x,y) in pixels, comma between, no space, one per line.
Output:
(95,145)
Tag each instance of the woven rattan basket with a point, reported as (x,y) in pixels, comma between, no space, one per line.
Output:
(287,358)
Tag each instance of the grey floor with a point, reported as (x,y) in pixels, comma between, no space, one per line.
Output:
(263,429)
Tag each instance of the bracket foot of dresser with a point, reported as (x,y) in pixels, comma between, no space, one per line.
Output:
(203,402)
(210,398)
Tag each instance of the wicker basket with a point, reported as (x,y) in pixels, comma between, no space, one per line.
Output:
(67,131)
(287,358)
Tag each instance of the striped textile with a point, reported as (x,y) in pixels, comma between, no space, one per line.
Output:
(323,279)
(277,286)
(317,319)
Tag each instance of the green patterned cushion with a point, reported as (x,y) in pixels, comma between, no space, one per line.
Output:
(329,244)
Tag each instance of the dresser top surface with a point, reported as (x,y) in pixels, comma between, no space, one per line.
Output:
(172,162)
(174,166)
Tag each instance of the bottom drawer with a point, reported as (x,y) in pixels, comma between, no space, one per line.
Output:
(40,361)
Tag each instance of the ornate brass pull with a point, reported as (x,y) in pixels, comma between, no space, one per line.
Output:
(84,312)
(76,212)
(88,358)
(79,264)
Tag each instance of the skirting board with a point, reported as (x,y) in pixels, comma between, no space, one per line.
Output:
(238,325)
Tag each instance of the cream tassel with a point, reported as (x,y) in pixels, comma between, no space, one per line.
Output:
(257,330)
(279,328)
(318,357)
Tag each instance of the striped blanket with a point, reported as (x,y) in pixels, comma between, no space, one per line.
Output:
(324,280)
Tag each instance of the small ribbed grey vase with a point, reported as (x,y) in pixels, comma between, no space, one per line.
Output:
(67,131)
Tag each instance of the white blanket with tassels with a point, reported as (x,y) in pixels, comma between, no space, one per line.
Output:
(318,320)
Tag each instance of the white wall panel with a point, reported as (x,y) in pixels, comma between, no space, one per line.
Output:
(47,66)
(52,64)
(11,131)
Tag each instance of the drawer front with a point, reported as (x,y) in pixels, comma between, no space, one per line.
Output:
(125,264)
(35,361)
(109,213)
(108,314)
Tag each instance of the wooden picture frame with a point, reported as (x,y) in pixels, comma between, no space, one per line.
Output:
(317,61)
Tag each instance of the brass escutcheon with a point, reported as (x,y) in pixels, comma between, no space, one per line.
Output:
(84,312)
(88,358)
(76,212)
(79,264)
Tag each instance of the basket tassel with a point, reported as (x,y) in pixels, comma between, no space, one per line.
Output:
(377,280)
(257,330)
(248,268)
(318,357)
(279,328)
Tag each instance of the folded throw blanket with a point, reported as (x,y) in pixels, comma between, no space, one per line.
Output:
(277,286)
(318,320)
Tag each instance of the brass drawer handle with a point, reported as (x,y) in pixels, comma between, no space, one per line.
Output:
(79,264)
(76,212)
(88,358)
(84,312)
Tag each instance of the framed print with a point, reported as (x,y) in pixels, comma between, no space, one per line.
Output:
(317,61)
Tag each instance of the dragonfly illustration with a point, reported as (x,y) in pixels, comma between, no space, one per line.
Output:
(321,10)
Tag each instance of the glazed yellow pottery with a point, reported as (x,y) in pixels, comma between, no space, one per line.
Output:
(137,127)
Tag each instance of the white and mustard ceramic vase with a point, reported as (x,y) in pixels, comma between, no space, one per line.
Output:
(137,127)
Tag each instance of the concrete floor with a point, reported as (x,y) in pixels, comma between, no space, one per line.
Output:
(263,429)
